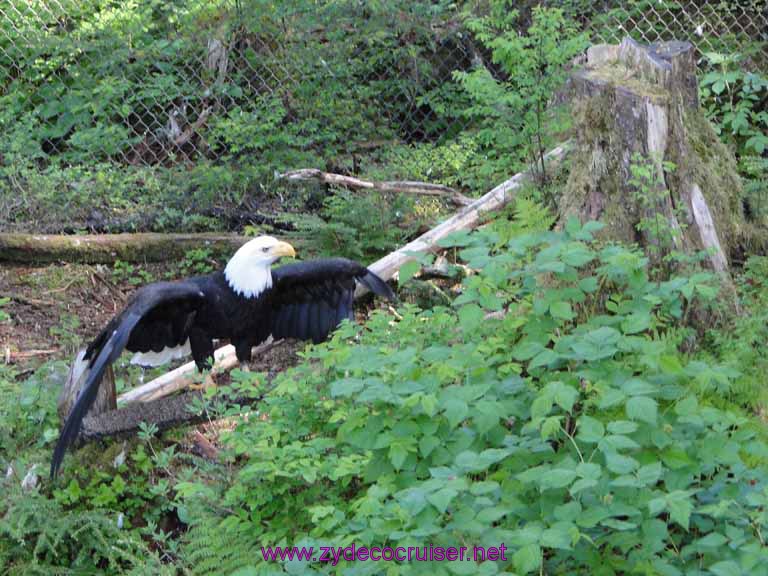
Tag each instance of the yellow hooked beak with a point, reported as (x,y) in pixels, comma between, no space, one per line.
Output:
(283,249)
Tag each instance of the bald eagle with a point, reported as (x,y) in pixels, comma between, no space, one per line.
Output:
(245,303)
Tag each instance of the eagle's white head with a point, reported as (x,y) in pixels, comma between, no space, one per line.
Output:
(248,272)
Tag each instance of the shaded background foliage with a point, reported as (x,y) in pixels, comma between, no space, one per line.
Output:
(190,107)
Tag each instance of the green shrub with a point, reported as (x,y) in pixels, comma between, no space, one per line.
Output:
(569,430)
(513,104)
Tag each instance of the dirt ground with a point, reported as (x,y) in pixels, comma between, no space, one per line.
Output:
(55,309)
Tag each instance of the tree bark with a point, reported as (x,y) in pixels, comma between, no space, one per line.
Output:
(106,398)
(631,102)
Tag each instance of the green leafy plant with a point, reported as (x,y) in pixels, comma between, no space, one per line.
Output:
(197,261)
(755,172)
(647,177)
(734,101)
(39,536)
(66,331)
(4,316)
(570,428)
(359,226)
(515,101)
(133,274)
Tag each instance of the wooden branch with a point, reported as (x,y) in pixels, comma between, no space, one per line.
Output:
(224,360)
(396,186)
(164,413)
(27,300)
(100,249)
(11,356)
(468,217)
(185,136)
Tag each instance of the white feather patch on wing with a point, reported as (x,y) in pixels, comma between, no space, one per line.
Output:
(152,359)
(78,371)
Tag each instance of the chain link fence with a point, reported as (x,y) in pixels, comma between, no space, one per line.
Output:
(176,84)
(711,26)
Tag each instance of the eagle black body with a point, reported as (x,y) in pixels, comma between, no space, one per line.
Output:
(307,301)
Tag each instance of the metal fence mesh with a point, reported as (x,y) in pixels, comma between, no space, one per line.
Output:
(162,86)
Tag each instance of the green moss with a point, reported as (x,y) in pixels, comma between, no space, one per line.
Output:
(713,167)
(618,74)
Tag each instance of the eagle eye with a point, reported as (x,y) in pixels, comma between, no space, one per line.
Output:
(265,249)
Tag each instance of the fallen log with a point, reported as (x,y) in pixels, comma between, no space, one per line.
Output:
(468,217)
(395,186)
(164,413)
(105,249)
(29,301)
(171,411)
(224,360)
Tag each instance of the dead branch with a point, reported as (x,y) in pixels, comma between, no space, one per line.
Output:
(29,301)
(224,360)
(190,130)
(468,217)
(11,356)
(394,186)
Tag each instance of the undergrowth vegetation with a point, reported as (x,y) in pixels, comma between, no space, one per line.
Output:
(562,405)
(573,429)
(593,408)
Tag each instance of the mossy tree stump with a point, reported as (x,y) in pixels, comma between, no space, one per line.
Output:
(634,101)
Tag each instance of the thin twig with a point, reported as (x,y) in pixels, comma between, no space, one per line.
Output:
(27,300)
(399,186)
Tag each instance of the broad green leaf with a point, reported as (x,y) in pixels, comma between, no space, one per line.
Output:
(542,405)
(680,508)
(442,498)
(527,559)
(526,350)
(642,408)
(649,474)
(636,323)
(726,568)
(346,387)
(545,357)
(408,271)
(561,310)
(456,410)
(397,455)
(491,515)
(427,444)
(470,316)
(588,470)
(590,430)
(560,535)
(565,396)
(619,464)
(582,484)
(687,406)
(557,478)
(622,427)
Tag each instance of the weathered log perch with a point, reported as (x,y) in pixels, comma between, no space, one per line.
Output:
(394,186)
(632,102)
(166,412)
(105,249)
